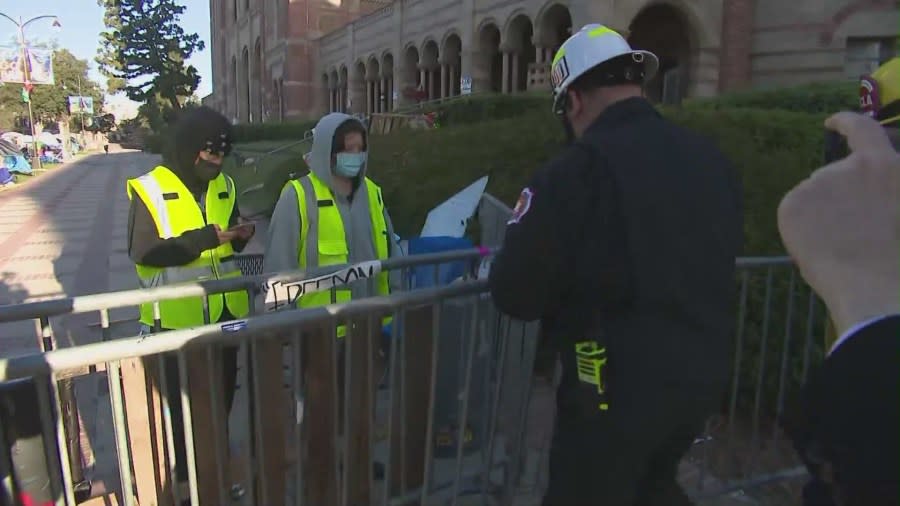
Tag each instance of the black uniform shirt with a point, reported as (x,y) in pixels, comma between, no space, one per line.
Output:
(657,278)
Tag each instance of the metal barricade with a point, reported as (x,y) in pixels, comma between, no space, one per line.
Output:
(324,430)
(334,437)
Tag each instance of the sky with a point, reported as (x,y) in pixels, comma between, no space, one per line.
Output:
(82,22)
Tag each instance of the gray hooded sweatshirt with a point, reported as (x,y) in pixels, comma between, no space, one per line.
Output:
(283,241)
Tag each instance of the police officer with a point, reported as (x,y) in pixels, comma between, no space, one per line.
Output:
(183,225)
(624,247)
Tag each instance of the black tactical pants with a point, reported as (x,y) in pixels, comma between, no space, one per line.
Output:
(628,455)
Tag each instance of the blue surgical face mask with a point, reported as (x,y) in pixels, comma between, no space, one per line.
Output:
(349,164)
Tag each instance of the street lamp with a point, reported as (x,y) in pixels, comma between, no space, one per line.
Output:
(35,158)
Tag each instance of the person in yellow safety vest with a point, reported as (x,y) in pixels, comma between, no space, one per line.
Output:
(183,226)
(879,98)
(333,215)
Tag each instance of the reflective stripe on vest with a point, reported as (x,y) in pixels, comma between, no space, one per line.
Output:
(174,211)
(322,224)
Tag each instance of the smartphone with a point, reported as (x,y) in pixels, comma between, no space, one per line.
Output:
(835,146)
(250,227)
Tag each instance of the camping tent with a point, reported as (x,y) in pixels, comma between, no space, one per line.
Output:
(12,158)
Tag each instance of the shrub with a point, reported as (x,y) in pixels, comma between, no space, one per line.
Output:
(291,130)
(772,149)
(483,107)
(816,98)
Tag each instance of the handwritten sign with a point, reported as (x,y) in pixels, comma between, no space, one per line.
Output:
(283,294)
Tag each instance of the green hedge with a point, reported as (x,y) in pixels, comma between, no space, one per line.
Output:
(484,107)
(816,98)
(772,149)
(290,130)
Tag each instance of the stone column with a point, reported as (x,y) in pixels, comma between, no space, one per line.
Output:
(386,94)
(516,58)
(452,80)
(444,75)
(390,94)
(377,93)
(539,54)
(504,88)
(423,78)
(330,100)
(368,97)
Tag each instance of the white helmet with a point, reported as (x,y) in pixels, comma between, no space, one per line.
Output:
(592,45)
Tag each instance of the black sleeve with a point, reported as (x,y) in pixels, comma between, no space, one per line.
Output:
(847,416)
(527,278)
(147,248)
(237,245)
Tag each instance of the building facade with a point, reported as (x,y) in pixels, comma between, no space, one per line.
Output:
(334,55)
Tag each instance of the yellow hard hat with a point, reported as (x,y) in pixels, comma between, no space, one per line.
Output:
(879,93)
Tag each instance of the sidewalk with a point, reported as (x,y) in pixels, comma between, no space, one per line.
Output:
(63,234)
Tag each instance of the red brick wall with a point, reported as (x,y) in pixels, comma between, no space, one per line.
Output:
(737,41)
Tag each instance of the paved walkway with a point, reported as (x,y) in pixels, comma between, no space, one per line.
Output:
(64,234)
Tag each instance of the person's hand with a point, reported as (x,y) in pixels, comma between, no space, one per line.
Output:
(244,230)
(225,235)
(842,225)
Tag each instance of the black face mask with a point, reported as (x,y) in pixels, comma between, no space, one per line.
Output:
(206,170)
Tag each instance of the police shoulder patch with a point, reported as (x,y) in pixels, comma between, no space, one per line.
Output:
(522,206)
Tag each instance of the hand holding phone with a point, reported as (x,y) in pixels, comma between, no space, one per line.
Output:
(243,231)
(835,146)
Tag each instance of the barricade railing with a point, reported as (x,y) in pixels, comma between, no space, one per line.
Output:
(316,444)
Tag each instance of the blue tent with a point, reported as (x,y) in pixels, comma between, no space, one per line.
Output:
(17,164)
(13,159)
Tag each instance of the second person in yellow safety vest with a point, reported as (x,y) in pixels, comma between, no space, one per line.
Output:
(183,226)
(333,215)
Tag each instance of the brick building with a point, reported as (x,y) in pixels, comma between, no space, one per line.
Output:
(277,59)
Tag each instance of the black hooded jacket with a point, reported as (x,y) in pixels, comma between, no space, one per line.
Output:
(144,244)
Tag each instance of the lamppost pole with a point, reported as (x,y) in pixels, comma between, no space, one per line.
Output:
(81,110)
(36,160)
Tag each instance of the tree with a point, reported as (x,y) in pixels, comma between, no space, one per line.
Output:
(144,51)
(50,102)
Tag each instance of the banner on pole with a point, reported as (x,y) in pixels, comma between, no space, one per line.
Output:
(40,65)
(81,105)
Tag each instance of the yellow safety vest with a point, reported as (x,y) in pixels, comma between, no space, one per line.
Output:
(332,241)
(175,211)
